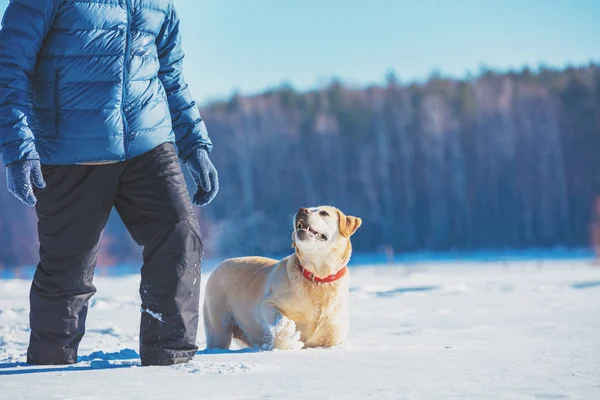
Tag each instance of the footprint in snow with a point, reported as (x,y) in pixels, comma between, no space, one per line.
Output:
(110,331)
(585,285)
(215,368)
(402,290)
(550,396)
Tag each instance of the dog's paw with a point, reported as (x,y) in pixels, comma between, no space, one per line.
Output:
(283,335)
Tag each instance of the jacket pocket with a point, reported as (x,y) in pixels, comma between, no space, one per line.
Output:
(56,102)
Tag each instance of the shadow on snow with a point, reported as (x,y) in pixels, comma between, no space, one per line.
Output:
(97,360)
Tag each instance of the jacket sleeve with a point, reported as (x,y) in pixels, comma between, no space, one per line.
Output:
(190,130)
(24,27)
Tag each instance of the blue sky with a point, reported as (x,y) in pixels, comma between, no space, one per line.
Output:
(251,45)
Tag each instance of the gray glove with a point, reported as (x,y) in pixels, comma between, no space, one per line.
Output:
(205,175)
(20,178)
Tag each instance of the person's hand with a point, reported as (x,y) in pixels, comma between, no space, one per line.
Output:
(20,178)
(205,175)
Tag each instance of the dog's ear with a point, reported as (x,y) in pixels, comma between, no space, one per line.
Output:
(348,224)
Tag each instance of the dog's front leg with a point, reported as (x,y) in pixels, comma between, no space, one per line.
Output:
(279,331)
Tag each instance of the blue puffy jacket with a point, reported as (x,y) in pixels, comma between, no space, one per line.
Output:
(93,81)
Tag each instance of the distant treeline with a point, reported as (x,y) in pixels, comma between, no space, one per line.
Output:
(499,161)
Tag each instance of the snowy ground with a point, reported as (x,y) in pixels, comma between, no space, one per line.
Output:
(434,331)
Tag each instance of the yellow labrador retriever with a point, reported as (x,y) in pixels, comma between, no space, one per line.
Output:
(300,301)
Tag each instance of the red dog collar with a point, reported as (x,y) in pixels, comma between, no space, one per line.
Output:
(331,278)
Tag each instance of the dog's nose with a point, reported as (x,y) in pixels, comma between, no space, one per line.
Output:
(303,211)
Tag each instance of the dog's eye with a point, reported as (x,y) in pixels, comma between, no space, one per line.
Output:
(323,213)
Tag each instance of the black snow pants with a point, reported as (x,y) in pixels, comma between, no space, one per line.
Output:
(150,195)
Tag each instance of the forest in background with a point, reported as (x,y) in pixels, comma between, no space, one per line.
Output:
(497,161)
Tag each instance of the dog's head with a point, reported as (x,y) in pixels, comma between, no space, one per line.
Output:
(323,232)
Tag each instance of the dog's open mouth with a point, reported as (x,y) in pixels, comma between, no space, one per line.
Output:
(302,226)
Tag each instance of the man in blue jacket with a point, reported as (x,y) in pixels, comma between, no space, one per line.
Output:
(94,113)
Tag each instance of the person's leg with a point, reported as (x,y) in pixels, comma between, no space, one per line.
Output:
(72,211)
(154,204)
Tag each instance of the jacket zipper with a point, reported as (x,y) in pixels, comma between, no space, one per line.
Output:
(56,102)
(125,76)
